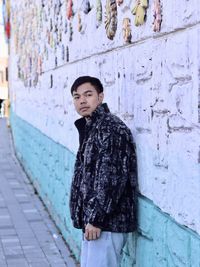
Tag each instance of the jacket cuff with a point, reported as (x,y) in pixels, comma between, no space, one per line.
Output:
(94,214)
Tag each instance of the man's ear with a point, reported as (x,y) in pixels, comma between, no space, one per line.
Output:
(101,97)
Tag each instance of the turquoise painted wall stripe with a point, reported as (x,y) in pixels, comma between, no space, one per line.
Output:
(159,242)
(49,165)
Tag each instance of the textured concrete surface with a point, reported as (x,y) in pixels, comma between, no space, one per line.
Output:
(28,236)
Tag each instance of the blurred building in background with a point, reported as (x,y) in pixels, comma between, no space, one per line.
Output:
(3,66)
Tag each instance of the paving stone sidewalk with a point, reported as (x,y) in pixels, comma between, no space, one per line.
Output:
(28,236)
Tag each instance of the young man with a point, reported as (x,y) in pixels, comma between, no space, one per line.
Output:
(103,193)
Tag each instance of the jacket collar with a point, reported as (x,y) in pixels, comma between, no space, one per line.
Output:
(97,114)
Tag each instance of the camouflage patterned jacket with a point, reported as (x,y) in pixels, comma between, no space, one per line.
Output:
(104,184)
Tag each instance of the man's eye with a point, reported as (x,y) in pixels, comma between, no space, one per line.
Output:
(89,94)
(76,97)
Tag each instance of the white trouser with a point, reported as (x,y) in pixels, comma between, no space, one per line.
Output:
(106,251)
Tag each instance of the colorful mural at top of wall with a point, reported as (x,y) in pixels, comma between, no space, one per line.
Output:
(46,28)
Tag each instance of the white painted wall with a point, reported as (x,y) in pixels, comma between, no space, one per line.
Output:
(152,84)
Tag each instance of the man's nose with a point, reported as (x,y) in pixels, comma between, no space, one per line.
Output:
(83,99)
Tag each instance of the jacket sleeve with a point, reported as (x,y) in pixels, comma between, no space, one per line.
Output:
(115,166)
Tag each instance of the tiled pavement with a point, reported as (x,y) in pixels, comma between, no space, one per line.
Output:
(28,236)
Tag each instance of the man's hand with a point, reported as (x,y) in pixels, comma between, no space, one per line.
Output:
(92,232)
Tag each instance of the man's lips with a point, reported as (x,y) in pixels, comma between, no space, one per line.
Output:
(84,108)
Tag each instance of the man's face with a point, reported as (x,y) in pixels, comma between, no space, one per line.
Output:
(86,99)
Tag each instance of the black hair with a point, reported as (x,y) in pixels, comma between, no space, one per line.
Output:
(87,79)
